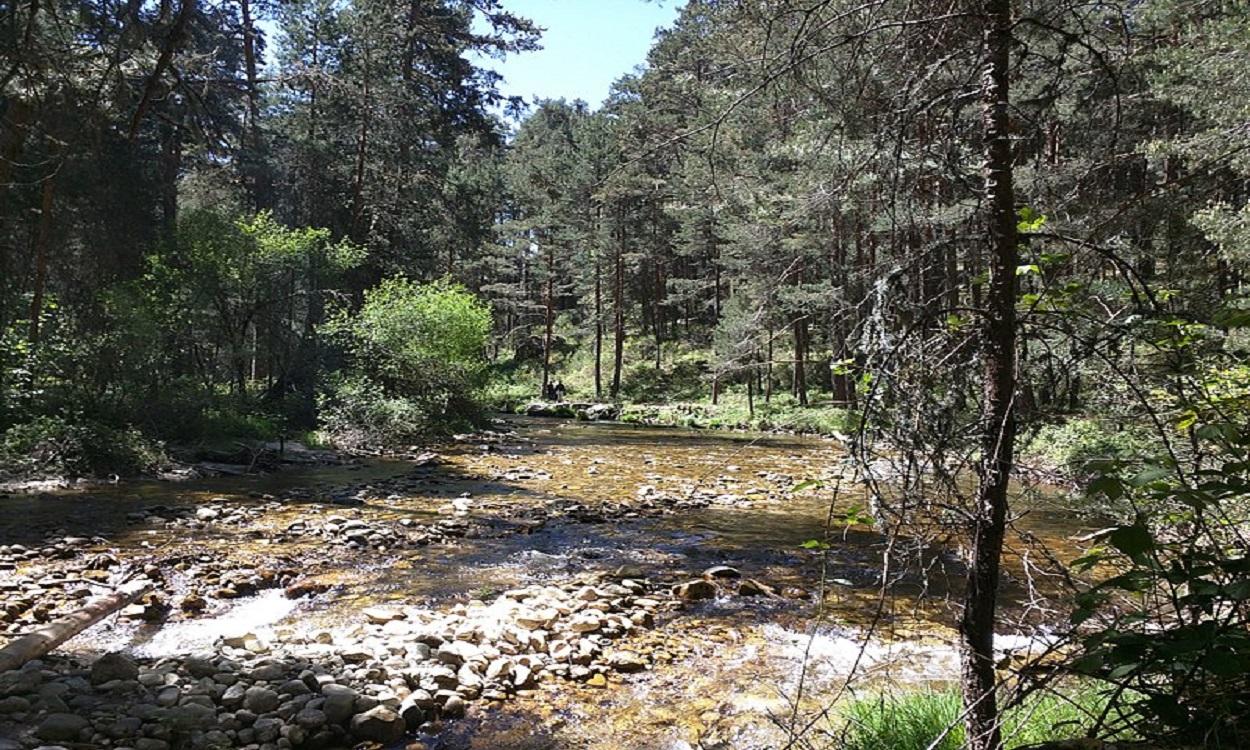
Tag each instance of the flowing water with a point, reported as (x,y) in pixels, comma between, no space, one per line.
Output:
(734,666)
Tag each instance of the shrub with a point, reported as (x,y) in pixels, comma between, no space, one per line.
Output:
(1171,621)
(1077,446)
(417,362)
(358,413)
(53,446)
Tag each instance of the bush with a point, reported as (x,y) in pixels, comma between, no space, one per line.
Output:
(1171,621)
(53,446)
(359,414)
(417,363)
(1078,446)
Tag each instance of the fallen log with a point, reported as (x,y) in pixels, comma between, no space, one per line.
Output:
(47,637)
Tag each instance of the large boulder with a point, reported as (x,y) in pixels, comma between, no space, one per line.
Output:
(62,727)
(113,666)
(378,724)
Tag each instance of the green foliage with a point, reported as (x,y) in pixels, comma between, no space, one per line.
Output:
(915,720)
(1079,446)
(358,413)
(1170,620)
(417,359)
(76,447)
(783,414)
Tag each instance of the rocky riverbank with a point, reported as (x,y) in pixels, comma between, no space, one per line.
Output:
(396,673)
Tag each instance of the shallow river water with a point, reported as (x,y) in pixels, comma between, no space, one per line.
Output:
(734,667)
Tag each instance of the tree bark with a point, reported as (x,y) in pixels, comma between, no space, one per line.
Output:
(172,40)
(998,426)
(550,316)
(800,360)
(42,640)
(598,331)
(48,194)
(618,304)
(258,182)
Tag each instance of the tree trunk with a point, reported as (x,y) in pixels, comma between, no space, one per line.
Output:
(800,360)
(42,640)
(618,303)
(172,40)
(976,627)
(257,181)
(751,388)
(362,150)
(598,331)
(41,256)
(550,305)
(768,375)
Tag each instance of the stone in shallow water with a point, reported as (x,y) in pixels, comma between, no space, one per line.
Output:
(752,587)
(379,724)
(697,589)
(626,661)
(382,615)
(722,571)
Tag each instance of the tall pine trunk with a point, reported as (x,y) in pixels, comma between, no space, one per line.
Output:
(42,234)
(549,321)
(598,331)
(618,304)
(998,424)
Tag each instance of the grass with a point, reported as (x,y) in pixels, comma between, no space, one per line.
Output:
(914,720)
(732,413)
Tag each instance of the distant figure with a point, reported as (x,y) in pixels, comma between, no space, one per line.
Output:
(549,392)
(558,390)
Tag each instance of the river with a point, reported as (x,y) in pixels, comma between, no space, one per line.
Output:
(543,501)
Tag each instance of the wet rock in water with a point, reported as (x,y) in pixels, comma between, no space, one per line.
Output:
(752,587)
(113,666)
(411,712)
(454,707)
(62,727)
(626,661)
(721,571)
(192,603)
(597,681)
(382,615)
(378,724)
(306,588)
(693,590)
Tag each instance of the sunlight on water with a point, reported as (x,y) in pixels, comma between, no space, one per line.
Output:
(255,615)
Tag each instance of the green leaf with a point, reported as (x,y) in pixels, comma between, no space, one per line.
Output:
(815,544)
(1131,540)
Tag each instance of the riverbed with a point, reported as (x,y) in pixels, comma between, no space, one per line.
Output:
(537,503)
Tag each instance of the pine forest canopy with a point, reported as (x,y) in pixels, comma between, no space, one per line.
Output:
(973,229)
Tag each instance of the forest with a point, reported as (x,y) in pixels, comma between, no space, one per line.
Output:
(939,304)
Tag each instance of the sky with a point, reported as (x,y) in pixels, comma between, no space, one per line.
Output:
(587,45)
